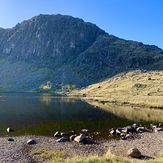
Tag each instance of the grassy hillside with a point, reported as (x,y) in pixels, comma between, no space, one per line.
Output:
(138,87)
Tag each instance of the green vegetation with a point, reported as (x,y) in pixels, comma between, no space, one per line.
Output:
(55,155)
(60,156)
(58,88)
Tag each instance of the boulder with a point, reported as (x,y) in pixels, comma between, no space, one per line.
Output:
(57,134)
(134,152)
(157,129)
(10,139)
(88,141)
(113,132)
(80,138)
(31,141)
(123,134)
(72,137)
(62,139)
(64,133)
(142,129)
(160,124)
(118,131)
(129,136)
(136,125)
(153,126)
(128,129)
(10,130)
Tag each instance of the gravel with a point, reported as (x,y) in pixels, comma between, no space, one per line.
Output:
(18,151)
(149,144)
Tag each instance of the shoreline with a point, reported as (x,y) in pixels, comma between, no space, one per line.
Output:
(150,145)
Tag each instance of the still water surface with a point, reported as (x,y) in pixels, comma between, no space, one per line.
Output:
(43,114)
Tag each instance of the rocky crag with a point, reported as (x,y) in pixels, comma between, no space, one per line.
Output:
(66,50)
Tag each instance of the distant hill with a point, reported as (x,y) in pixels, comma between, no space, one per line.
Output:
(139,87)
(66,50)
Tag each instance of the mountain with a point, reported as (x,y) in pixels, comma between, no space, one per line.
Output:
(66,50)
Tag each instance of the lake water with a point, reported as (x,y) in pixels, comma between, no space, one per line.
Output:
(44,114)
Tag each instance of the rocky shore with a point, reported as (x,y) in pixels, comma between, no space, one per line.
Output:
(16,149)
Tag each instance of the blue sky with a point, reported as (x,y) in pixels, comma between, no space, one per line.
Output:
(138,20)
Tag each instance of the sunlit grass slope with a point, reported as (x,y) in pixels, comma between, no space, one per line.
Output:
(136,87)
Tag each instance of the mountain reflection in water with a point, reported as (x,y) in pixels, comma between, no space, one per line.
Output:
(43,114)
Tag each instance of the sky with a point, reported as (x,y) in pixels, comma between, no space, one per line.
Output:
(138,20)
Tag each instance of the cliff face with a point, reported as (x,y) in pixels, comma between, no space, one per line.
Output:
(48,40)
(67,50)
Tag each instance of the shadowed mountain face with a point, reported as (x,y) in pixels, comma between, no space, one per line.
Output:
(67,50)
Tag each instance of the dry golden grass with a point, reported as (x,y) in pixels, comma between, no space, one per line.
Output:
(136,87)
(109,158)
(56,156)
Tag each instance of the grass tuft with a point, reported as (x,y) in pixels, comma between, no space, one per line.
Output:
(55,155)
